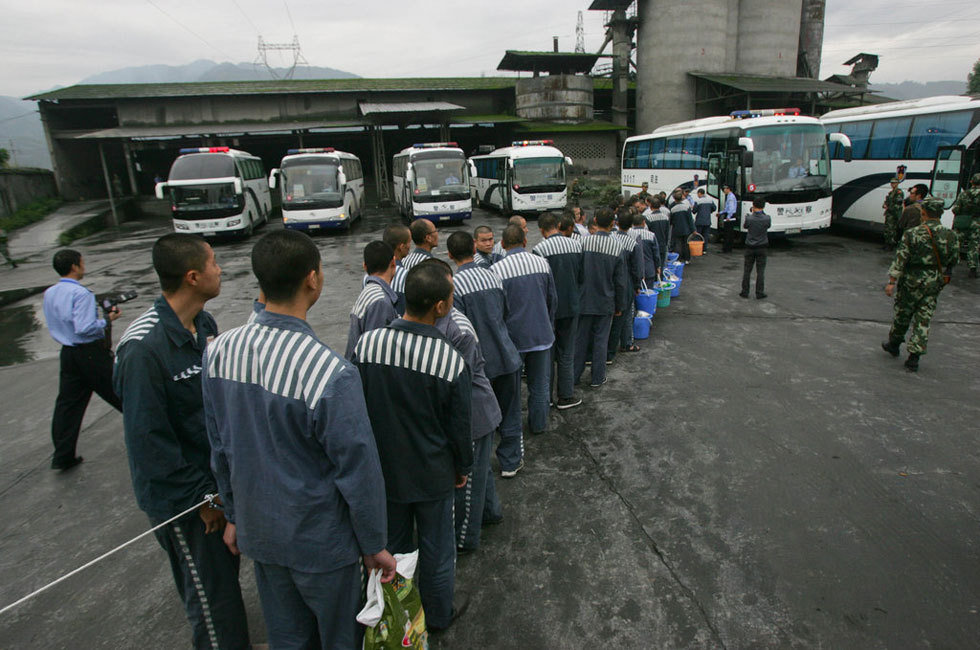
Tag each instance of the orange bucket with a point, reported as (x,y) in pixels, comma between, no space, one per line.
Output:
(696,245)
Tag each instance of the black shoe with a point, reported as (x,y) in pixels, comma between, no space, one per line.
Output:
(66,465)
(760,296)
(743,295)
(568,402)
(891,348)
(461,602)
(912,363)
(491,522)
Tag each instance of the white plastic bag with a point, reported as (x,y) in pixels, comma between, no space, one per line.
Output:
(375,605)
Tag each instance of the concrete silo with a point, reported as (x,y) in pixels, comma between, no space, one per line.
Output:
(672,39)
(768,37)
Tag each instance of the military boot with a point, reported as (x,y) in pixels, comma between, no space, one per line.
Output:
(891,348)
(912,363)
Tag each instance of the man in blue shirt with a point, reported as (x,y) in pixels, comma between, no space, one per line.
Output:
(158,379)
(281,405)
(729,219)
(86,363)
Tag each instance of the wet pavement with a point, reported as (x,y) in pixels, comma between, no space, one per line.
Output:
(760,474)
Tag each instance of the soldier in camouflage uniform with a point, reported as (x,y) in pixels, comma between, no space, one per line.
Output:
(918,279)
(3,248)
(967,223)
(893,210)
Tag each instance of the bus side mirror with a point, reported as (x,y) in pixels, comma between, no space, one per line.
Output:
(568,161)
(273,178)
(238,186)
(844,142)
(409,175)
(160,189)
(472,167)
(748,148)
(341,178)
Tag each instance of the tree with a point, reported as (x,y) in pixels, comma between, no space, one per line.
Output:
(973,80)
(4,157)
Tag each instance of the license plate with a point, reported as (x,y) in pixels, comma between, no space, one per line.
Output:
(792,231)
(444,218)
(314,226)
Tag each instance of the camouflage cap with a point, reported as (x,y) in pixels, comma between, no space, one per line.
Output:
(895,179)
(975,179)
(933,206)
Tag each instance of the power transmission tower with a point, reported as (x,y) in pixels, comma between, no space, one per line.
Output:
(293,47)
(580,34)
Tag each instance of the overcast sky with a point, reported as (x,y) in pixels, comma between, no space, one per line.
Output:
(59,42)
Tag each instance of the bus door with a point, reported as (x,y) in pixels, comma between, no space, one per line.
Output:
(950,172)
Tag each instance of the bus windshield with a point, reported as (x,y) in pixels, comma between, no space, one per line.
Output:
(789,157)
(539,175)
(202,165)
(310,184)
(205,201)
(440,179)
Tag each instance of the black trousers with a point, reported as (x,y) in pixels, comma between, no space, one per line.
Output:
(206,575)
(728,235)
(681,247)
(704,231)
(84,369)
(758,257)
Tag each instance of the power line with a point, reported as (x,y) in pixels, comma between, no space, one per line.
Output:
(188,29)
(17,117)
(290,15)
(235,2)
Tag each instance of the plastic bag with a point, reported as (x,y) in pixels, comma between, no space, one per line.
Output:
(393,613)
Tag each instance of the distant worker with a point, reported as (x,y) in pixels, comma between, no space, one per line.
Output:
(644,191)
(967,211)
(4,250)
(728,219)
(86,363)
(681,225)
(924,256)
(893,210)
(704,207)
(757,224)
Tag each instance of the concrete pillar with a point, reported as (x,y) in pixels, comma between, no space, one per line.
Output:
(768,37)
(811,38)
(622,39)
(127,152)
(108,185)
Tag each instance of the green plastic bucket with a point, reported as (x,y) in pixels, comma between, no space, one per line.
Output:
(663,298)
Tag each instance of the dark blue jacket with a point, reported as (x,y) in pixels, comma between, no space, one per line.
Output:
(374,308)
(681,221)
(485,412)
(158,378)
(292,447)
(564,255)
(604,291)
(418,392)
(479,294)
(652,259)
(531,299)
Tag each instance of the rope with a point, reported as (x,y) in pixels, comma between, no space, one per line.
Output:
(11,606)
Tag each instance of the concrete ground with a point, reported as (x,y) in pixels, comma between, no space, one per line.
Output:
(760,474)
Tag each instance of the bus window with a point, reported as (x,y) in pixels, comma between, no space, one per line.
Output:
(657,154)
(889,138)
(629,155)
(691,158)
(929,132)
(642,154)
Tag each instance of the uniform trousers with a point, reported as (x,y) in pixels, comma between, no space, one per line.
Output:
(592,329)
(914,307)
(85,369)
(727,235)
(311,610)
(704,231)
(621,331)
(757,256)
(563,353)
(537,366)
(507,389)
(436,572)
(477,501)
(681,247)
(206,575)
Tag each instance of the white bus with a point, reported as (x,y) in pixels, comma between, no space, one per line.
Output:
(528,177)
(775,154)
(319,188)
(431,181)
(909,139)
(217,191)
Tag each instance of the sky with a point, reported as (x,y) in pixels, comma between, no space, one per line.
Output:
(47,43)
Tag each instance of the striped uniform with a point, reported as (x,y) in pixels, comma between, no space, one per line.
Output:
(652,259)
(398,286)
(603,294)
(564,256)
(374,308)
(413,258)
(531,299)
(479,294)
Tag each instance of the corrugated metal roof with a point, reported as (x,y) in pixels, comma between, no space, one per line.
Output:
(609,5)
(206,129)
(368,108)
(764,84)
(292,86)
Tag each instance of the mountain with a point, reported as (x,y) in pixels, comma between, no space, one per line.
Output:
(206,70)
(21,133)
(917,90)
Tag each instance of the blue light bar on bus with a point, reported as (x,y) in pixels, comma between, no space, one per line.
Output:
(433,145)
(205,150)
(311,150)
(768,112)
(532,143)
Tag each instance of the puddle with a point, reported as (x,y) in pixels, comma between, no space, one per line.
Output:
(16,324)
